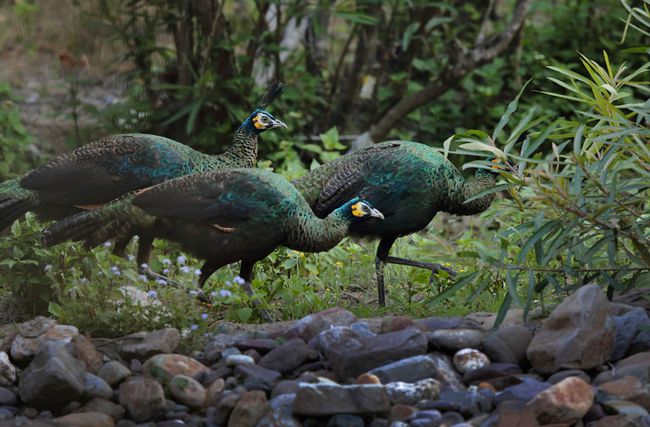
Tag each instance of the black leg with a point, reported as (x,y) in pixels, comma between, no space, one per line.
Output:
(120,246)
(380,261)
(246,273)
(145,244)
(420,264)
(206,271)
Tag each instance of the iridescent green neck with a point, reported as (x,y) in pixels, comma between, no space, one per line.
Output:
(467,189)
(243,151)
(311,234)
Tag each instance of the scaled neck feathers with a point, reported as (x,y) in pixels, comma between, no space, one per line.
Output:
(243,151)
(481,181)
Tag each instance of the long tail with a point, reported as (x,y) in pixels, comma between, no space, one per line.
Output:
(115,219)
(15,202)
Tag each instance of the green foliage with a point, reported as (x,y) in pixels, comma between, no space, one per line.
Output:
(14,139)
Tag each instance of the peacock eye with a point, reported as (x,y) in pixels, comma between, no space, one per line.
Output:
(265,119)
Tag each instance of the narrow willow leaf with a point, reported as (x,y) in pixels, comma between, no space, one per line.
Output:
(503,310)
(460,283)
(540,233)
(495,189)
(512,107)
(481,146)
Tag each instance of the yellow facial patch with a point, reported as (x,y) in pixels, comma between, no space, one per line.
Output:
(357,210)
(257,123)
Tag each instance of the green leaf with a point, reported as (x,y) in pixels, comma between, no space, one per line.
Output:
(512,107)
(357,17)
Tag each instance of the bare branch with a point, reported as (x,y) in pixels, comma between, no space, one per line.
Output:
(463,62)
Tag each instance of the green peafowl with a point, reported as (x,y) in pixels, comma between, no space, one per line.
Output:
(408,182)
(93,175)
(223,216)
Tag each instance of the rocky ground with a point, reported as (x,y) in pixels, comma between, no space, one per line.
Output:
(587,364)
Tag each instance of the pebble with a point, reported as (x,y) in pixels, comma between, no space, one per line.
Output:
(565,402)
(187,390)
(469,359)
(142,397)
(113,373)
(239,359)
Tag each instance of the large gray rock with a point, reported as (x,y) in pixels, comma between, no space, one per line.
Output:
(508,344)
(250,408)
(281,412)
(579,334)
(187,390)
(52,380)
(35,334)
(329,399)
(7,370)
(95,386)
(630,327)
(113,373)
(288,356)
(407,370)
(351,355)
(142,397)
(142,347)
(310,326)
(164,366)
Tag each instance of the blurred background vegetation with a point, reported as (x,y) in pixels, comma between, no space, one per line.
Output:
(356,72)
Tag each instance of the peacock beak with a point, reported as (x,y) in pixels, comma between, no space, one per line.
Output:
(376,214)
(278,123)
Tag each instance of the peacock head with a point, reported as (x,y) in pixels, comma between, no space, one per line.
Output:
(358,209)
(261,120)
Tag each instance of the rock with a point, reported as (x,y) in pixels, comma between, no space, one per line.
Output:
(525,391)
(6,415)
(257,375)
(53,379)
(187,390)
(620,420)
(637,365)
(362,329)
(625,407)
(407,370)
(455,339)
(214,391)
(468,402)
(445,372)
(113,373)
(627,388)
(224,407)
(468,359)
(143,347)
(367,378)
(328,399)
(431,324)
(345,420)
(559,376)
(24,347)
(115,411)
(250,408)
(7,370)
(280,413)
(94,386)
(395,323)
(7,397)
(84,350)
(514,414)
(35,327)
(262,345)
(493,373)
(288,356)
(142,397)
(85,419)
(579,333)
(426,419)
(351,355)
(508,345)
(401,412)
(565,402)
(310,326)
(412,393)
(628,326)
(239,359)
(164,366)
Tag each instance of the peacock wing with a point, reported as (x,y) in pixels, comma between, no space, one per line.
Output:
(105,169)
(225,198)
(352,177)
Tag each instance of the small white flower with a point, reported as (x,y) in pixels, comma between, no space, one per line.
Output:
(115,268)
(83,281)
(228,283)
(194,292)
(185,269)
(166,261)
(161,281)
(213,294)
(239,280)
(204,316)
(130,257)
(117,272)
(197,272)
(181,259)
(107,244)
(48,267)
(194,327)
(143,277)
(144,265)
(166,271)
(152,294)
(225,293)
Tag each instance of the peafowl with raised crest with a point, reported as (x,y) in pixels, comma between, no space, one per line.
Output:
(119,165)
(223,216)
(408,182)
